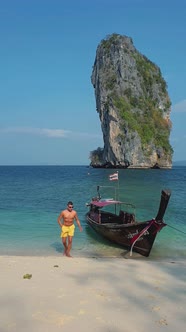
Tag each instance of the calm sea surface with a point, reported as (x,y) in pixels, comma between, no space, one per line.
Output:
(31,198)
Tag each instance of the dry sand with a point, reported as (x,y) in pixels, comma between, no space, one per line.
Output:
(91,294)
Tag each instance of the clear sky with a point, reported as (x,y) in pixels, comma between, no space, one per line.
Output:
(48,47)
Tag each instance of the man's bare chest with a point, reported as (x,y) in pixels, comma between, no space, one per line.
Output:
(69,216)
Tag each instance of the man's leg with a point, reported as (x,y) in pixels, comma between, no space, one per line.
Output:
(69,246)
(64,241)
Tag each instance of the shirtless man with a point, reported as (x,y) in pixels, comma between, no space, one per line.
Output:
(67,226)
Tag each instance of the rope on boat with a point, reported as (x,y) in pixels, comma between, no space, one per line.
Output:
(176,229)
(145,229)
(135,238)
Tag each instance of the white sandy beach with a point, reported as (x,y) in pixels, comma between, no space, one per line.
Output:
(91,294)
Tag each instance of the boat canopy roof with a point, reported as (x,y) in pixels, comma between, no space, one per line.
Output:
(105,202)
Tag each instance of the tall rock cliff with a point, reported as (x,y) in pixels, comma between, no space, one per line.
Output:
(133,105)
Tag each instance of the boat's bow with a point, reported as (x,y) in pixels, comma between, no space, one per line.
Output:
(165,196)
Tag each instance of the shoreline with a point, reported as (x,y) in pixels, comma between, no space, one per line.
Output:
(102,253)
(99,294)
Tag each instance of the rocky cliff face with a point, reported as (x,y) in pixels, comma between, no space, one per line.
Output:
(133,106)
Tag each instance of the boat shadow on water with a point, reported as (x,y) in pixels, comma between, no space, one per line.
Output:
(103,248)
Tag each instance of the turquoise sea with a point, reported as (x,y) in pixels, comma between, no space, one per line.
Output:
(31,198)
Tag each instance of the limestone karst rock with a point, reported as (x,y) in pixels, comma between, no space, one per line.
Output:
(133,105)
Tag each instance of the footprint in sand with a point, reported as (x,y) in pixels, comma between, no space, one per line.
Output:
(81,312)
(52,317)
(155,308)
(101,294)
(151,296)
(162,321)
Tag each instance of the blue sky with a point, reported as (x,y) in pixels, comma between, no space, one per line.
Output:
(48,48)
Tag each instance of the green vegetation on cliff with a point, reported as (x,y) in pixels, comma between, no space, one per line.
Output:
(150,125)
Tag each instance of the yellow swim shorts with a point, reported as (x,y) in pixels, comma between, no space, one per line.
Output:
(67,231)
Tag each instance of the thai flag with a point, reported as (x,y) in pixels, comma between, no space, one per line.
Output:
(113,177)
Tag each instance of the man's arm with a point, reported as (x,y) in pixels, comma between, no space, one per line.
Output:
(59,219)
(78,222)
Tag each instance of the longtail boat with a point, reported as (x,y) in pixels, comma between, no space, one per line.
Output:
(121,226)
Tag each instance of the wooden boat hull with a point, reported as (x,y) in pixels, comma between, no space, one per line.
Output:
(123,234)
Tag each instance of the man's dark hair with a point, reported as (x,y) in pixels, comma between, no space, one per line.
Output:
(69,203)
